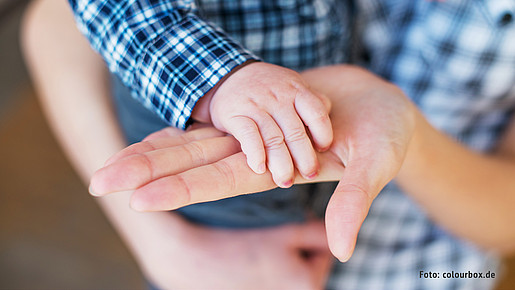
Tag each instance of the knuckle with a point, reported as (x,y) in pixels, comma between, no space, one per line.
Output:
(298,84)
(143,159)
(300,88)
(187,196)
(224,169)
(358,188)
(321,116)
(196,152)
(296,135)
(276,96)
(247,131)
(274,142)
(319,124)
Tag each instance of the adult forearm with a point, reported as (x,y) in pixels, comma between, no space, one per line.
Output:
(468,193)
(72,84)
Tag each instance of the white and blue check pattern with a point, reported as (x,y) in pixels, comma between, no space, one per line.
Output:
(170,53)
(162,50)
(455,59)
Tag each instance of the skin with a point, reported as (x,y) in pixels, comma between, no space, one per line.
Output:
(373,123)
(171,252)
(474,205)
(268,108)
(378,135)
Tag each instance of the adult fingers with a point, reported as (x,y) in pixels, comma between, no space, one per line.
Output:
(315,115)
(164,138)
(138,169)
(225,178)
(222,179)
(247,133)
(298,142)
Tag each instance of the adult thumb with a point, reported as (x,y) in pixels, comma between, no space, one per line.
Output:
(348,208)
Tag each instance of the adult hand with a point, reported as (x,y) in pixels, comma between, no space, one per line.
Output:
(372,123)
(285,257)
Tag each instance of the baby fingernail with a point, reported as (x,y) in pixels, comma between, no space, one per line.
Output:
(261,168)
(312,175)
(320,149)
(287,183)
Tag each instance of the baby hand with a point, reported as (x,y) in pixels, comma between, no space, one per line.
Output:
(266,108)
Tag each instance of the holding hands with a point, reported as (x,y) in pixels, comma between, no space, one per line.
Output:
(372,121)
(266,108)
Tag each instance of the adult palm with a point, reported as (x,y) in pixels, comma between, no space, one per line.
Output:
(373,122)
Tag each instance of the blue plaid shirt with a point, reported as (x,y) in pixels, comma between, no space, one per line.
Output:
(170,53)
(455,59)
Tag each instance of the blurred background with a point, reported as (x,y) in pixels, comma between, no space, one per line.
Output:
(52,234)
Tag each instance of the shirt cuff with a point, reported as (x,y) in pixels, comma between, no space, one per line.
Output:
(182,65)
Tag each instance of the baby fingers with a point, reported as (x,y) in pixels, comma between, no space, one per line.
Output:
(298,142)
(262,140)
(314,112)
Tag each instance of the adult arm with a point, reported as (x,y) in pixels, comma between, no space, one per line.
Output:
(72,83)
(470,194)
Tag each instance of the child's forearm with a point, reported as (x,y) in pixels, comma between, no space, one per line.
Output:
(470,194)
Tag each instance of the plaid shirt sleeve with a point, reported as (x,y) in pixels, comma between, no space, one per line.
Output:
(161,50)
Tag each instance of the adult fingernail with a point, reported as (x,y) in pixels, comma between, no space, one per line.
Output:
(345,258)
(92,192)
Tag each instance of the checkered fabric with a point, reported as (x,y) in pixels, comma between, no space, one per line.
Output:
(170,53)
(456,60)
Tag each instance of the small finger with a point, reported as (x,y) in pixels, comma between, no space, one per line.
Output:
(315,116)
(298,142)
(247,133)
(325,100)
(278,157)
